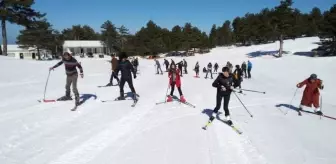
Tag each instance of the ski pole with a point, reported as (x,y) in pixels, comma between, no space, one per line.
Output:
(243,104)
(252,91)
(45,88)
(292,99)
(165,100)
(321,108)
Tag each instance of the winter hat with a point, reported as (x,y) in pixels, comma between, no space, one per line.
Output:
(313,76)
(225,69)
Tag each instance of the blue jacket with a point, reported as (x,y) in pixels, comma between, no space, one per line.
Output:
(249,65)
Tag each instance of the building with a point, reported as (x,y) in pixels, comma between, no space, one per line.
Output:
(15,51)
(85,46)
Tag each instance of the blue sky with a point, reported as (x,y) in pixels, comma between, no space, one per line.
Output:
(134,14)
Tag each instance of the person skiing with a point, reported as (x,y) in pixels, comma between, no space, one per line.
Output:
(228,64)
(243,66)
(215,67)
(136,64)
(175,80)
(223,83)
(180,66)
(204,70)
(158,66)
(249,68)
(311,93)
(70,64)
(114,65)
(185,65)
(197,69)
(166,63)
(126,69)
(237,77)
(209,70)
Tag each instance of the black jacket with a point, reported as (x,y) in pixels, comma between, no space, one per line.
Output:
(243,66)
(126,68)
(220,81)
(238,73)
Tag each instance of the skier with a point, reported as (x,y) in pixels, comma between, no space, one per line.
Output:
(237,77)
(135,64)
(158,66)
(197,69)
(216,67)
(223,83)
(126,69)
(311,93)
(174,79)
(243,66)
(209,70)
(180,66)
(114,65)
(228,64)
(166,63)
(204,70)
(249,68)
(70,64)
(185,65)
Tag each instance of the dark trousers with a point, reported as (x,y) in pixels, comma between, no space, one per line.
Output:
(249,73)
(130,84)
(180,71)
(72,79)
(114,75)
(173,88)
(167,67)
(185,70)
(136,69)
(216,69)
(219,98)
(245,74)
(209,70)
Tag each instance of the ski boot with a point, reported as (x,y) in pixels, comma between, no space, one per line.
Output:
(109,84)
(228,120)
(170,98)
(182,99)
(121,97)
(135,97)
(318,111)
(67,97)
(77,103)
(213,115)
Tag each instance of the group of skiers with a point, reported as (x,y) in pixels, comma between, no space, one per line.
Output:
(226,82)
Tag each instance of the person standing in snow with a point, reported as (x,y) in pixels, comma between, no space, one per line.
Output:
(166,63)
(135,64)
(215,68)
(237,77)
(70,64)
(230,66)
(185,65)
(158,66)
(311,93)
(180,66)
(197,69)
(114,65)
(175,80)
(223,83)
(126,69)
(209,70)
(244,69)
(249,68)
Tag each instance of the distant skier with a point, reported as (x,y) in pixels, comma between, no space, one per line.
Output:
(244,68)
(215,67)
(204,70)
(209,70)
(136,64)
(174,79)
(166,63)
(223,83)
(114,65)
(126,69)
(185,65)
(197,69)
(70,64)
(158,66)
(249,68)
(180,66)
(311,93)
(237,77)
(230,66)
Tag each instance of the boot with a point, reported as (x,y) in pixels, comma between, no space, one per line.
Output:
(109,84)
(169,99)
(135,97)
(121,97)
(65,98)
(318,111)
(213,115)
(182,99)
(77,100)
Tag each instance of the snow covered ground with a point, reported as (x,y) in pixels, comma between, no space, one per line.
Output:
(115,133)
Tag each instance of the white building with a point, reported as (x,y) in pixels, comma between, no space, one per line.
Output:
(85,46)
(14,50)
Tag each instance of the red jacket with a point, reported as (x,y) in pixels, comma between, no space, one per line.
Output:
(178,78)
(311,93)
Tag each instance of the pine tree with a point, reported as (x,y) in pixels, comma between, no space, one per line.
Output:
(315,19)
(109,36)
(213,36)
(328,32)
(176,38)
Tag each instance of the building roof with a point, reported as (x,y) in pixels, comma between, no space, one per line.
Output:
(82,43)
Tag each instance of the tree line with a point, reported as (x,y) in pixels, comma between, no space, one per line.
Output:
(269,25)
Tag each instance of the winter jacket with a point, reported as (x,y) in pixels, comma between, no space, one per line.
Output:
(237,74)
(114,63)
(249,65)
(243,66)
(185,64)
(166,62)
(209,66)
(180,65)
(216,66)
(311,93)
(157,63)
(136,62)
(226,82)
(196,67)
(174,75)
(126,68)
(70,66)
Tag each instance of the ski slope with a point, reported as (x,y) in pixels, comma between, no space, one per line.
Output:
(116,133)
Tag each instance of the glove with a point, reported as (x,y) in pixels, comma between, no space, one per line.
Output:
(223,88)
(51,68)
(322,86)
(82,75)
(232,89)
(298,85)
(134,76)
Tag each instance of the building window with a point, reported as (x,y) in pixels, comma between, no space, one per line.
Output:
(95,50)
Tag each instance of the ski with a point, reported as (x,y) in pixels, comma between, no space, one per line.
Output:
(134,103)
(323,115)
(46,101)
(205,127)
(74,108)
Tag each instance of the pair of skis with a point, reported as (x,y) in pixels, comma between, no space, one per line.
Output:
(186,103)
(135,101)
(229,123)
(49,101)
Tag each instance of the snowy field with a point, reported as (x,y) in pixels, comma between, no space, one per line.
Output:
(116,133)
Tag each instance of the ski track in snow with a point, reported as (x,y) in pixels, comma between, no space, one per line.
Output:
(115,132)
